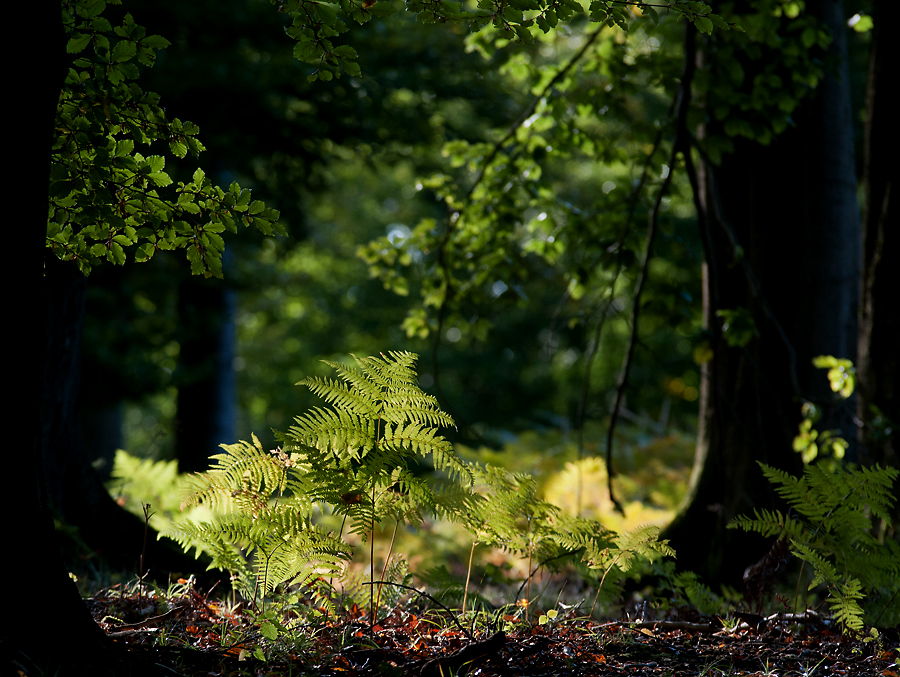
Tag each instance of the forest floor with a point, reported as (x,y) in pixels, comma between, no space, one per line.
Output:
(185,634)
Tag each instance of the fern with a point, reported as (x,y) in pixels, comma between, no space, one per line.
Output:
(261,535)
(351,459)
(358,452)
(832,530)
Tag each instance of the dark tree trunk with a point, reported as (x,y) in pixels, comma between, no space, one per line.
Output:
(878,362)
(206,406)
(75,488)
(48,629)
(791,207)
(38,584)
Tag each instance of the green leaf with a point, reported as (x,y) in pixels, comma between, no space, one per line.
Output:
(703,24)
(155,42)
(144,252)
(90,8)
(124,50)
(78,42)
(160,178)
(268,630)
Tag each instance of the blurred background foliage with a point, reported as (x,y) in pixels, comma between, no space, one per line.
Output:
(355,165)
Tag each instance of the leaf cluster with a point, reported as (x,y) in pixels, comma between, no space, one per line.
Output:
(755,79)
(107,199)
(315,25)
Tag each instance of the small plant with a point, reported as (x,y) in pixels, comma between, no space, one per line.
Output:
(825,446)
(508,514)
(831,529)
(262,531)
(842,514)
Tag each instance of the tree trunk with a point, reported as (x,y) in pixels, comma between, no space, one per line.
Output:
(75,489)
(206,404)
(877,364)
(39,584)
(791,208)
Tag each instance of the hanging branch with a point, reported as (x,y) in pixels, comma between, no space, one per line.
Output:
(681,144)
(594,348)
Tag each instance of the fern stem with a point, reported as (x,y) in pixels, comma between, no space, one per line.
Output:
(528,586)
(797,592)
(468,574)
(372,562)
(386,562)
(600,586)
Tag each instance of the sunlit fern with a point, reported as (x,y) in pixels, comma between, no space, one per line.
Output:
(352,459)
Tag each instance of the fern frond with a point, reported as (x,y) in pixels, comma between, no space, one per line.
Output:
(244,467)
(341,432)
(845,606)
(769,523)
(341,395)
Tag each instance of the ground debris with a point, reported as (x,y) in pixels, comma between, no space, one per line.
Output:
(187,635)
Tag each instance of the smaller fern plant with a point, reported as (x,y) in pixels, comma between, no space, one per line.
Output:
(831,529)
(261,532)
(509,514)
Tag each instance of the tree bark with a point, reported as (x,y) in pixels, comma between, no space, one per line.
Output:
(877,361)
(206,403)
(791,209)
(75,489)
(40,592)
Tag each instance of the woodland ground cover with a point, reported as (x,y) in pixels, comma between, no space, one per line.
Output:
(182,631)
(283,617)
(515,214)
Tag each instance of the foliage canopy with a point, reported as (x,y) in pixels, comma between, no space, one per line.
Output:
(106,198)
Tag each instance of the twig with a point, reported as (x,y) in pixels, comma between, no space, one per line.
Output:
(170,614)
(477,651)
(428,597)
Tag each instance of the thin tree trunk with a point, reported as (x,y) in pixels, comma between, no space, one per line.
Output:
(206,403)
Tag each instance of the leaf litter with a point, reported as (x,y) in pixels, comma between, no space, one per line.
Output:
(183,632)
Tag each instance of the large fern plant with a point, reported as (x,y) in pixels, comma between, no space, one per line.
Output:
(833,526)
(352,459)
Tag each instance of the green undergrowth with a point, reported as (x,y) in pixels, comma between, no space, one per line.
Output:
(366,508)
(839,524)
